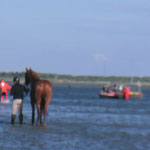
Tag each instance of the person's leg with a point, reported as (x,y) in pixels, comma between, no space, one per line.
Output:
(20,103)
(14,109)
(13,119)
(6,95)
(2,98)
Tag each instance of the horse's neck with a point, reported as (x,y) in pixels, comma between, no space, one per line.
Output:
(34,79)
(33,83)
(33,86)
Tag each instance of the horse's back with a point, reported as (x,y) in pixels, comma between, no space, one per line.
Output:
(44,83)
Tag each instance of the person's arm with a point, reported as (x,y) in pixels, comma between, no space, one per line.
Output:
(8,86)
(26,90)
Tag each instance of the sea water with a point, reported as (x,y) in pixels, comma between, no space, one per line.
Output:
(79,120)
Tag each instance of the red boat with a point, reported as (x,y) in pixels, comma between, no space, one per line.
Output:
(112,94)
(105,92)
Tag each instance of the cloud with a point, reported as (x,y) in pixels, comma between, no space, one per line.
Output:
(100,57)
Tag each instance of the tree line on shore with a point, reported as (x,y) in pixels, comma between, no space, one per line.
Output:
(81,79)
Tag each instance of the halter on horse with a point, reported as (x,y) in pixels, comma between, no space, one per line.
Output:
(41,93)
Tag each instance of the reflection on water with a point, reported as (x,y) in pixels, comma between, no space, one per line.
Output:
(78,119)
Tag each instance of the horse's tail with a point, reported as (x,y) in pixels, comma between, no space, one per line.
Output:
(42,105)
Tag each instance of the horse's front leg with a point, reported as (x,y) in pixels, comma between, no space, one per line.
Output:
(33,111)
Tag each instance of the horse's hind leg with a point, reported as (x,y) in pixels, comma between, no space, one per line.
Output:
(45,111)
(39,113)
(40,117)
(42,108)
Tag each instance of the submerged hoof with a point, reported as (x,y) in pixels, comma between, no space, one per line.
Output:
(37,124)
(44,124)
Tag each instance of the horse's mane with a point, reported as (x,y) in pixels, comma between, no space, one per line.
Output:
(35,76)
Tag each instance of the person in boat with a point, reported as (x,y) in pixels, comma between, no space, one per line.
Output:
(105,89)
(17,92)
(4,87)
(120,88)
(115,87)
(126,93)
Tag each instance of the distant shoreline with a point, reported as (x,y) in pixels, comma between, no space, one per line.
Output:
(89,80)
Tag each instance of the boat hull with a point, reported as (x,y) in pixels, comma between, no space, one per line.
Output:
(133,95)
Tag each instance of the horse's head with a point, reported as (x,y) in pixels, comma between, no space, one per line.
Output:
(30,76)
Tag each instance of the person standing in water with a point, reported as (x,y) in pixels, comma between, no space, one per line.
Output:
(4,87)
(126,93)
(17,92)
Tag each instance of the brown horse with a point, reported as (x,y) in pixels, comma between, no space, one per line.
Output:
(41,93)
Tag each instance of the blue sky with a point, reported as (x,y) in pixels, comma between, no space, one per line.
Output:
(81,37)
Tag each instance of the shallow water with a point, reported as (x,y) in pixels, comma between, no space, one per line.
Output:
(78,119)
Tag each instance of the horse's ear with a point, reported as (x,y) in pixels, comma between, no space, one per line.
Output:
(30,69)
(26,69)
